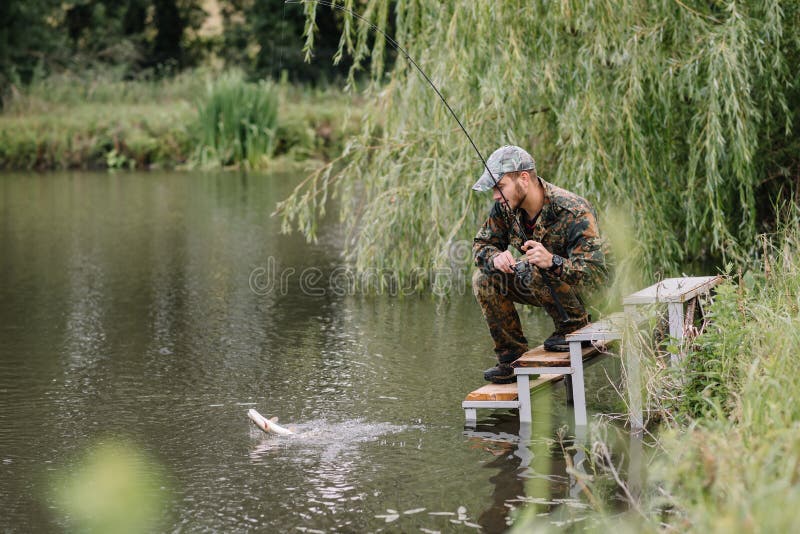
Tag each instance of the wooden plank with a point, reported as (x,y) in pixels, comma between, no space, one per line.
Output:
(673,290)
(507,392)
(539,357)
(606,329)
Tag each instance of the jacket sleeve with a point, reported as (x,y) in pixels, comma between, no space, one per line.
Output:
(588,263)
(492,238)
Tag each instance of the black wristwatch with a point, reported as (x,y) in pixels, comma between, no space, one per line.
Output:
(558,261)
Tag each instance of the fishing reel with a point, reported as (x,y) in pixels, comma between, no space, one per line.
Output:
(523,270)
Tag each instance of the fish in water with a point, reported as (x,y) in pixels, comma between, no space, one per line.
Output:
(268,425)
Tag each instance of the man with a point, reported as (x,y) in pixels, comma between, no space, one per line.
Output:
(564,259)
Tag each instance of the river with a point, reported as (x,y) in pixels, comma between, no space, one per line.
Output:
(150,311)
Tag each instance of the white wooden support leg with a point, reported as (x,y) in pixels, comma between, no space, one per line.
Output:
(632,356)
(676,328)
(634,385)
(524,452)
(471,415)
(524,397)
(578,393)
(575,488)
(635,465)
(676,319)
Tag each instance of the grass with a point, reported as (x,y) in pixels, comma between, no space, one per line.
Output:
(97,121)
(725,427)
(733,463)
(88,135)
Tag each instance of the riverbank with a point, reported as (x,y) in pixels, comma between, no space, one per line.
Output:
(725,441)
(733,461)
(67,122)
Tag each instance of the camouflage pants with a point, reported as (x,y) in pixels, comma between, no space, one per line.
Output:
(497,293)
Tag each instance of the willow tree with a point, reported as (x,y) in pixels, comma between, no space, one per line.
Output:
(681,112)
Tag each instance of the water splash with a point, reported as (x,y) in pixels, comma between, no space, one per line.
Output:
(329,439)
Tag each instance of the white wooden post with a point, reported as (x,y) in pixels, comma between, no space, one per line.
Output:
(471,415)
(578,393)
(575,489)
(524,397)
(632,358)
(635,465)
(524,452)
(676,329)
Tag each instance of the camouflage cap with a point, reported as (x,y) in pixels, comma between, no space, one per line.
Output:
(508,158)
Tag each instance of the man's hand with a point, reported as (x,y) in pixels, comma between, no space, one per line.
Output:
(537,254)
(504,262)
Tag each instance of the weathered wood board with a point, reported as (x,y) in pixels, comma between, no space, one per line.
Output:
(507,392)
(673,290)
(538,357)
(606,329)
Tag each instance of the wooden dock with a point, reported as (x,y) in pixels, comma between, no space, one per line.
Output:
(549,367)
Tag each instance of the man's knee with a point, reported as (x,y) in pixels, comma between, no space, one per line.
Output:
(484,285)
(478,282)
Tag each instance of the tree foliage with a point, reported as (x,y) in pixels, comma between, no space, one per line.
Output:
(138,38)
(266,38)
(682,112)
(25,37)
(40,36)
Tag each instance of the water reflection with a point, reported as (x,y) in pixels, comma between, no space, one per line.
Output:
(84,333)
(508,443)
(553,482)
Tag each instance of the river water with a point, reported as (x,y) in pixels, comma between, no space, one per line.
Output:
(152,310)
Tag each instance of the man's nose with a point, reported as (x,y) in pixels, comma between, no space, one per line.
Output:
(496,195)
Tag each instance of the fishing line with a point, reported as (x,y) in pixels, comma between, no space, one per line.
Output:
(283,42)
(507,210)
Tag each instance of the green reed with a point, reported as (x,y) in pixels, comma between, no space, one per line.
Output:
(237,122)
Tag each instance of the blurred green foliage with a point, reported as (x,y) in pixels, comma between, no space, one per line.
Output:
(122,84)
(114,488)
(731,463)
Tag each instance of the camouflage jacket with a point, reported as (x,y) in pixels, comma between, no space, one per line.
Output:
(567,226)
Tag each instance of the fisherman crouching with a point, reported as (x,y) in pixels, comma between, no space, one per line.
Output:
(565,257)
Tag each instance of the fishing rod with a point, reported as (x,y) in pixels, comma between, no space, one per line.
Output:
(507,211)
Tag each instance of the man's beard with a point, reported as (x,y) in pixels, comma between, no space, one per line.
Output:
(513,204)
(520,193)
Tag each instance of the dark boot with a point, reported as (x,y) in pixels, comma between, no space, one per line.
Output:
(557,343)
(502,373)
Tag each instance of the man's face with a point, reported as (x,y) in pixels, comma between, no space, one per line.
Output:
(512,188)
